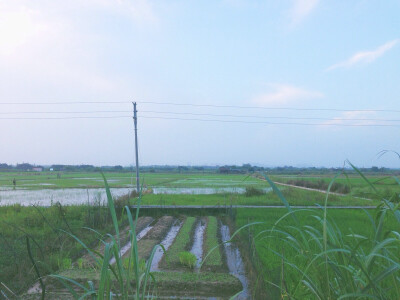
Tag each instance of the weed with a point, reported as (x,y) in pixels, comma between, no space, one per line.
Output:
(253,191)
(187,259)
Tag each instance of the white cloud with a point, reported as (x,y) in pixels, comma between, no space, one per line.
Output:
(301,9)
(140,11)
(281,94)
(43,40)
(365,56)
(18,26)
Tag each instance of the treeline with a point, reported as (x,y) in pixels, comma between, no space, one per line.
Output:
(226,169)
(77,168)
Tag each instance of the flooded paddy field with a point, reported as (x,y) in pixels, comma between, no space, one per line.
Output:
(74,196)
(59,180)
(216,275)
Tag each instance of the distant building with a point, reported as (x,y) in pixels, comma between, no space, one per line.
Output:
(51,169)
(37,169)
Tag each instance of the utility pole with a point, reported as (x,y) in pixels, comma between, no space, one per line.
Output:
(136,147)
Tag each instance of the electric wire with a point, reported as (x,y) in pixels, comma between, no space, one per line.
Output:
(268,108)
(202,114)
(65,118)
(270,117)
(200,105)
(202,120)
(274,123)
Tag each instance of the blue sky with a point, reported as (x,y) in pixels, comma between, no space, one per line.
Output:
(266,54)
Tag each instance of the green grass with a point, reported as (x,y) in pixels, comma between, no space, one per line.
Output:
(189,277)
(180,243)
(51,247)
(50,180)
(213,258)
(286,249)
(385,184)
(293,195)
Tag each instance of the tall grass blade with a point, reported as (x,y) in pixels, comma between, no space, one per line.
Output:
(111,207)
(43,287)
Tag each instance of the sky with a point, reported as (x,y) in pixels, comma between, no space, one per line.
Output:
(272,83)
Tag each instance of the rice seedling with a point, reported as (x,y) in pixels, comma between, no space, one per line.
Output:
(187,259)
(211,240)
(181,242)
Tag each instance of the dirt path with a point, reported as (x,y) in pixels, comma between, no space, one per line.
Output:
(309,189)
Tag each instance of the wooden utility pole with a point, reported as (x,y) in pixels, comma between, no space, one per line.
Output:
(136,147)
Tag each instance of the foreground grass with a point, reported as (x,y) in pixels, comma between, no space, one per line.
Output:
(284,248)
(84,275)
(51,246)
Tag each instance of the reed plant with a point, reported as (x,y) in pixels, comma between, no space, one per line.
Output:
(125,279)
(319,261)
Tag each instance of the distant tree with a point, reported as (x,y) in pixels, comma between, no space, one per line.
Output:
(24,167)
(4,166)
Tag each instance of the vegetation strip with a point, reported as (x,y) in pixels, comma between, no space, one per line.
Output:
(154,236)
(142,223)
(213,259)
(181,243)
(169,283)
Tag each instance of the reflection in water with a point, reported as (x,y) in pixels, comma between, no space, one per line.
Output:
(235,262)
(47,197)
(167,241)
(202,191)
(127,247)
(197,248)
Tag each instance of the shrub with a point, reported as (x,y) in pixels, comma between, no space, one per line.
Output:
(187,259)
(252,191)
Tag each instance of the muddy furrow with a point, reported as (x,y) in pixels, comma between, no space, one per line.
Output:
(166,243)
(142,223)
(153,237)
(198,240)
(235,262)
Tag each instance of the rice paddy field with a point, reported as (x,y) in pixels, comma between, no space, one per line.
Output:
(61,228)
(59,180)
(385,184)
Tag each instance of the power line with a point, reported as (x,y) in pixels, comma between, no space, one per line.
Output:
(269,117)
(200,114)
(200,105)
(205,120)
(64,112)
(65,118)
(64,103)
(269,108)
(274,123)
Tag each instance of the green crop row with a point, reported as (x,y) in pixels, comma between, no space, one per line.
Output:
(181,241)
(212,244)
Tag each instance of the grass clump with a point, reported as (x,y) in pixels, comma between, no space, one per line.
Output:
(129,279)
(187,259)
(323,254)
(211,245)
(181,242)
(253,191)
